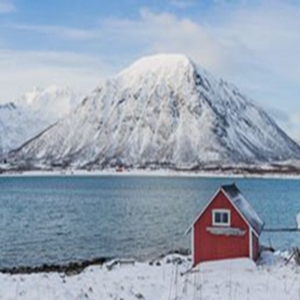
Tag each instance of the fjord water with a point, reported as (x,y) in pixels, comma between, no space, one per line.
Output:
(58,219)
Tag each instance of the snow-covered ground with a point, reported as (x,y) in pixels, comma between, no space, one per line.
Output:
(165,279)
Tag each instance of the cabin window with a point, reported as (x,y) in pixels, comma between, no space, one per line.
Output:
(221,217)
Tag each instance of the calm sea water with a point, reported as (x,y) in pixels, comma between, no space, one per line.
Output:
(62,219)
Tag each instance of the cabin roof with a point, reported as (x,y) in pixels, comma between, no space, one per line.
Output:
(244,207)
(241,204)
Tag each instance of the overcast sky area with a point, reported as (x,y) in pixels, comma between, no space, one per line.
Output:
(253,43)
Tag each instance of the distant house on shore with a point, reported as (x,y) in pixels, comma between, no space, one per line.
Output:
(227,227)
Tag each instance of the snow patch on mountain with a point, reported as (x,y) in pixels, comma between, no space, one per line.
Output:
(27,116)
(50,104)
(162,111)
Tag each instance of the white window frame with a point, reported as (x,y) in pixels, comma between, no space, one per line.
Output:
(222,211)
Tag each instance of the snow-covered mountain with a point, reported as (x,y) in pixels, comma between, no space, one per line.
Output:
(15,127)
(49,104)
(163,111)
(27,116)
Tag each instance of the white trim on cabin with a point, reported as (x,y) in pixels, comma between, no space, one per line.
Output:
(224,230)
(256,232)
(250,244)
(221,211)
(193,245)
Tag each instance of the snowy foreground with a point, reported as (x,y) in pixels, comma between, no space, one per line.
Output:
(166,279)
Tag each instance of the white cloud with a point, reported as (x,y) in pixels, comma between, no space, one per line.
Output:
(165,32)
(267,35)
(7,6)
(58,31)
(20,71)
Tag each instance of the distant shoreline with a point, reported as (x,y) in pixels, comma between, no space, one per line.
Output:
(262,174)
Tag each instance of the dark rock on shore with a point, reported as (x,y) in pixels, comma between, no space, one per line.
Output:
(68,269)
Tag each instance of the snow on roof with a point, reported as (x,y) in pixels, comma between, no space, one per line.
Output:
(244,207)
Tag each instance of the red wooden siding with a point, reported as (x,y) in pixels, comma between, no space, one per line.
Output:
(207,246)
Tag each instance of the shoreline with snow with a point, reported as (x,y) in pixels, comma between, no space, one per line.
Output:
(153,173)
(168,278)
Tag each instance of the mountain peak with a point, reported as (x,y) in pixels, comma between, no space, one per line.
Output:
(158,61)
(159,64)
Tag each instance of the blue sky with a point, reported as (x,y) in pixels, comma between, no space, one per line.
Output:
(253,43)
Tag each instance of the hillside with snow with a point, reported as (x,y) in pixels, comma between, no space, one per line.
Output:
(161,112)
(15,127)
(33,112)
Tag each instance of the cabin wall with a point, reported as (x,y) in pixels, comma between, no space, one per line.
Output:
(208,246)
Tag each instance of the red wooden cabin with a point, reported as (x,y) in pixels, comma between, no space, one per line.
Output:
(227,227)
